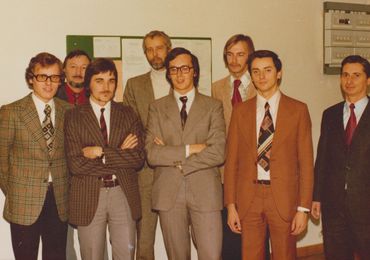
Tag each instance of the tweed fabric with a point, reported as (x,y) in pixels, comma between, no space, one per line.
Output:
(25,162)
(82,129)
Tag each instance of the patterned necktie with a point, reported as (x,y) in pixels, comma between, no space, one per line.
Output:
(236,94)
(183,113)
(103,126)
(265,139)
(351,125)
(48,128)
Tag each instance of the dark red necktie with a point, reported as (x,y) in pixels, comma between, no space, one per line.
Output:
(104,132)
(351,125)
(236,94)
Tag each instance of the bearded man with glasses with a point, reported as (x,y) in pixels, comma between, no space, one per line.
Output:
(33,171)
(185,144)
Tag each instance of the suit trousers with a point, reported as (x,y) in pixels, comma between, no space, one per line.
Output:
(343,236)
(147,225)
(206,228)
(112,210)
(53,233)
(263,213)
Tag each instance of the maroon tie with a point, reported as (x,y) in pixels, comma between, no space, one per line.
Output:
(104,132)
(351,125)
(236,94)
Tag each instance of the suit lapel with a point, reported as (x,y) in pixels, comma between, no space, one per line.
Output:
(172,112)
(362,128)
(226,95)
(248,124)
(197,111)
(114,121)
(282,122)
(59,122)
(91,123)
(148,93)
(32,122)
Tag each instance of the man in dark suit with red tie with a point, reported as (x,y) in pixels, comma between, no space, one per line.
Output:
(104,144)
(342,169)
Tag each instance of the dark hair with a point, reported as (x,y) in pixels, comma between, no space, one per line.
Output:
(157,33)
(194,61)
(357,59)
(100,65)
(75,53)
(43,59)
(234,40)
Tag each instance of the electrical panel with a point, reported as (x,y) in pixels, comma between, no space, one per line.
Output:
(346,32)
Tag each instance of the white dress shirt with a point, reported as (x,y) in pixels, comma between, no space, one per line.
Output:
(360,106)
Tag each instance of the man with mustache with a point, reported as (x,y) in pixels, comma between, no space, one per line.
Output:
(104,144)
(140,91)
(74,67)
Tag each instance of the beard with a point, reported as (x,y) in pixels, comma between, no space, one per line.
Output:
(76,84)
(157,63)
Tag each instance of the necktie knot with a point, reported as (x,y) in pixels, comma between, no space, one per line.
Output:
(267,106)
(236,98)
(237,83)
(47,110)
(184,99)
(102,110)
(352,106)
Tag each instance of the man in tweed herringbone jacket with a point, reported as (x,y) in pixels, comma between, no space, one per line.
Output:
(34,177)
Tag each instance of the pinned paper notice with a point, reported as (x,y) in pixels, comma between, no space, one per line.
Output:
(107,47)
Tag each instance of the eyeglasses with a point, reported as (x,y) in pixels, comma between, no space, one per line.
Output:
(184,69)
(44,77)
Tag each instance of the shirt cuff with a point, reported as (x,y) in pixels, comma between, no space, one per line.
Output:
(187,150)
(302,209)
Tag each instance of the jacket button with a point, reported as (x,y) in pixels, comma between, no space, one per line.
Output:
(45,181)
(50,164)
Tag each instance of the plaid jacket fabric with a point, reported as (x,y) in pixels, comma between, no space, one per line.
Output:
(82,129)
(25,162)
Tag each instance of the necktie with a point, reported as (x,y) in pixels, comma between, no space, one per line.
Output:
(48,129)
(351,125)
(103,126)
(236,94)
(104,132)
(76,96)
(183,113)
(265,139)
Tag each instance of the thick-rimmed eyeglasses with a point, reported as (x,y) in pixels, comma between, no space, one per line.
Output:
(44,77)
(184,69)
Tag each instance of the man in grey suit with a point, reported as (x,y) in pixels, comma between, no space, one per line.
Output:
(140,91)
(342,168)
(185,143)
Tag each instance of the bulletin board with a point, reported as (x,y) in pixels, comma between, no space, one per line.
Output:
(127,53)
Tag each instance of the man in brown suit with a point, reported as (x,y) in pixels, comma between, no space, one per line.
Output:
(140,91)
(269,164)
(33,175)
(231,90)
(185,143)
(104,143)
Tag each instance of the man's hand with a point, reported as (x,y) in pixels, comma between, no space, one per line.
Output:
(299,223)
(129,142)
(316,209)
(196,148)
(158,141)
(233,219)
(92,152)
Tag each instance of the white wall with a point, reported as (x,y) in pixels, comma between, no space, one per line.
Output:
(292,28)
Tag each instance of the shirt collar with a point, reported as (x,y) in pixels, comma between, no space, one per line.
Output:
(245,79)
(97,107)
(273,100)
(41,104)
(359,105)
(190,94)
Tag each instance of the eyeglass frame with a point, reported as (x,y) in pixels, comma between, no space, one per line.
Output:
(181,68)
(47,77)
